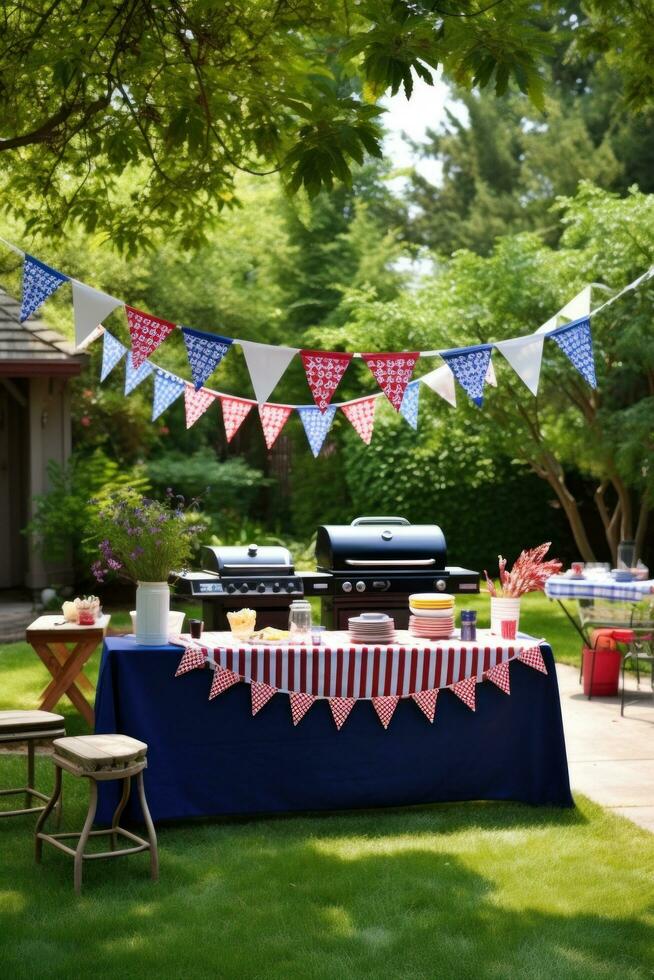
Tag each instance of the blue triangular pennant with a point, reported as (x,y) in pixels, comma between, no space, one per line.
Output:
(167,387)
(409,406)
(134,376)
(469,366)
(39,282)
(576,342)
(205,352)
(316,424)
(112,352)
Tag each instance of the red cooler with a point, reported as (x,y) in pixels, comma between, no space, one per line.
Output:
(602,661)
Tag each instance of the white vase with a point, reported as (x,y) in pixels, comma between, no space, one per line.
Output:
(504,608)
(152,607)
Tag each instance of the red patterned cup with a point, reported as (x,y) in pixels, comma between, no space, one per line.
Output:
(508,629)
(577,567)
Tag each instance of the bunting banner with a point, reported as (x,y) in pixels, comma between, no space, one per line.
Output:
(525,355)
(392,372)
(273,419)
(300,704)
(112,352)
(340,709)
(90,307)
(385,708)
(134,376)
(469,366)
(361,414)
(147,333)
(205,352)
(260,695)
(235,411)
(167,388)
(196,403)
(324,372)
(222,680)
(490,374)
(266,365)
(317,424)
(442,382)
(533,658)
(499,675)
(91,338)
(426,701)
(193,659)
(576,342)
(39,282)
(577,308)
(409,406)
(466,691)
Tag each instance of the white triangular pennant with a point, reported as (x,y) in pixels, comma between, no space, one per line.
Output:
(442,382)
(525,355)
(90,307)
(266,365)
(578,307)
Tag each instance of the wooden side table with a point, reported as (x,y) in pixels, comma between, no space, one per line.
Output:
(65,648)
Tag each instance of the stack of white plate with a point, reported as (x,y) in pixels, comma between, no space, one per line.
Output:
(371,628)
(432,615)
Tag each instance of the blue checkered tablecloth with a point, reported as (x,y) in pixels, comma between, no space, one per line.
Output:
(562,587)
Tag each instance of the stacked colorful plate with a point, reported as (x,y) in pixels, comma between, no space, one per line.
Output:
(371,628)
(433,615)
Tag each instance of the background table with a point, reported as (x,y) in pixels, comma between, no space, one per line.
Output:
(601,601)
(209,758)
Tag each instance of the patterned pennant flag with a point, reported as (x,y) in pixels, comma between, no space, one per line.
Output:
(469,366)
(235,411)
(90,307)
(409,406)
(205,352)
(426,701)
(134,376)
(316,424)
(266,365)
(147,333)
(525,355)
(39,282)
(442,382)
(112,352)
(533,658)
(261,695)
(167,387)
(273,419)
(499,675)
(576,342)
(300,704)
(465,690)
(196,403)
(491,379)
(222,680)
(392,373)
(324,372)
(192,658)
(361,414)
(340,708)
(385,708)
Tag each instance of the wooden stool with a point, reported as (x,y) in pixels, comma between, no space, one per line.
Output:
(96,758)
(28,726)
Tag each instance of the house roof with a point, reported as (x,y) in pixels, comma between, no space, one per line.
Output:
(33,348)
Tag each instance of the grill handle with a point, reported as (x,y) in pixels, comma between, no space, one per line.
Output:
(379,520)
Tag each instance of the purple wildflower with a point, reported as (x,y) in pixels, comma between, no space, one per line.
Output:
(114,564)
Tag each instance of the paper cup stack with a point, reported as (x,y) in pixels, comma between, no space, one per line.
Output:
(432,615)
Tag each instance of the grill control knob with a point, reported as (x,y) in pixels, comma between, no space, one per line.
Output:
(231,587)
(290,587)
(244,587)
(360,586)
(261,587)
(440,584)
(347,586)
(276,587)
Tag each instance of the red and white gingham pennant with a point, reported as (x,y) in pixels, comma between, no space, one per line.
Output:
(192,658)
(260,694)
(300,704)
(196,403)
(235,411)
(533,658)
(426,701)
(147,332)
(465,690)
(324,372)
(222,679)
(341,708)
(361,414)
(392,373)
(385,708)
(499,675)
(273,419)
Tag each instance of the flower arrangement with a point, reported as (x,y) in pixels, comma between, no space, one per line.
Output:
(529,573)
(143,539)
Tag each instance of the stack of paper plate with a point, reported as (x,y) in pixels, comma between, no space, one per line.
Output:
(433,615)
(371,628)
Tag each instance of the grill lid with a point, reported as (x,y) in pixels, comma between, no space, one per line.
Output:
(376,543)
(247,560)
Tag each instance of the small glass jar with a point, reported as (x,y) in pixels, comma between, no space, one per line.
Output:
(299,621)
(468,625)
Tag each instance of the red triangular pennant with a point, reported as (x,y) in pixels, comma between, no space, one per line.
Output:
(222,679)
(235,411)
(147,332)
(341,708)
(385,708)
(260,694)
(361,414)
(192,658)
(392,373)
(324,372)
(300,704)
(273,419)
(426,701)
(196,403)
(533,658)
(465,690)
(499,675)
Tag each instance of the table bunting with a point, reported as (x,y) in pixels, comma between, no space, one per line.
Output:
(344,673)
(147,332)
(273,419)
(196,403)
(324,371)
(39,282)
(392,372)
(235,412)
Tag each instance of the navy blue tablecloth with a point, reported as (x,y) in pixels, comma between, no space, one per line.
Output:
(208,758)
